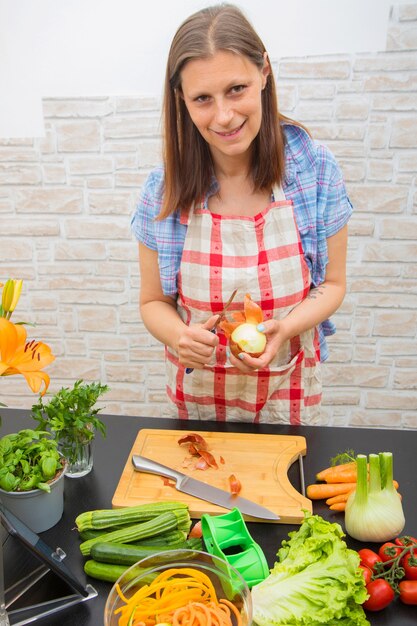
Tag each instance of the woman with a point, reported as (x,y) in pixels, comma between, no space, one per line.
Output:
(245,200)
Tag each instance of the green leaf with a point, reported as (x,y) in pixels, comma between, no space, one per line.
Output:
(7,482)
(44,487)
(343,457)
(49,467)
(71,414)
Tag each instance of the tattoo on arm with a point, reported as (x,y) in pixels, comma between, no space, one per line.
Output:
(316,291)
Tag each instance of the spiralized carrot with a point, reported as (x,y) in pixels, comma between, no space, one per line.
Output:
(212,614)
(179,596)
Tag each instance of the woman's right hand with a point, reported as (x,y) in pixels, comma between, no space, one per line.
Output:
(196,344)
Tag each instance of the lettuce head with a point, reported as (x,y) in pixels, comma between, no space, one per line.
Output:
(316,580)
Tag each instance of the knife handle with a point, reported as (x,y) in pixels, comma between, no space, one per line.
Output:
(142,464)
(188,370)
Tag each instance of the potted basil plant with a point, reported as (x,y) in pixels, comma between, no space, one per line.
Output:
(32,478)
(71,416)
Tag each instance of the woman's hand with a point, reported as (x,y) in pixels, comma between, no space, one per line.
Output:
(319,305)
(275,337)
(196,344)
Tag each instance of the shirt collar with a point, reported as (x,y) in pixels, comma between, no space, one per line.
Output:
(299,151)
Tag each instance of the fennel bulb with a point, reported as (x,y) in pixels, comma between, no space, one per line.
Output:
(315,581)
(374,511)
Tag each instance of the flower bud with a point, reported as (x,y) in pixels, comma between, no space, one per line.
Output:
(11,295)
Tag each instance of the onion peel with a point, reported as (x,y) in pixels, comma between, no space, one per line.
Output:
(242,333)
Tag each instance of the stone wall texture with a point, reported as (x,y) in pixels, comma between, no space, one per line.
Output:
(66,201)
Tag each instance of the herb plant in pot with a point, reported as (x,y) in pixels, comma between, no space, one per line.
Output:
(32,478)
(71,417)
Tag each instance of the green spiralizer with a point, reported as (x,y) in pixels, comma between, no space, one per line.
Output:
(227,537)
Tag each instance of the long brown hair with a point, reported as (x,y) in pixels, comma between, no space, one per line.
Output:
(187,158)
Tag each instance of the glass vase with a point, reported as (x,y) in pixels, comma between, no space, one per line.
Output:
(79,456)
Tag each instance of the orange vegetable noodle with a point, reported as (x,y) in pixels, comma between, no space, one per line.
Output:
(212,614)
(179,596)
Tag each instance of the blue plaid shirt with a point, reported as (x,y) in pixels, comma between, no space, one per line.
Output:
(313,181)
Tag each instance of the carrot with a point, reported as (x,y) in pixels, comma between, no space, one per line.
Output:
(323,491)
(342,497)
(345,476)
(335,468)
(339,506)
(186,593)
(199,614)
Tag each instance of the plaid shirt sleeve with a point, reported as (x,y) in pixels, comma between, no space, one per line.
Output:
(337,207)
(314,183)
(165,236)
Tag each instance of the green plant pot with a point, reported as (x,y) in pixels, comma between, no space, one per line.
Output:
(36,508)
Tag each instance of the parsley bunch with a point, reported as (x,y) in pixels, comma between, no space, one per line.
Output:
(71,415)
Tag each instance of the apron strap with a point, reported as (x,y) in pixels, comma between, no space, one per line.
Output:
(278,193)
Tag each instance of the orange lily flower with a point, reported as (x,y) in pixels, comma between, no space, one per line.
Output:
(18,356)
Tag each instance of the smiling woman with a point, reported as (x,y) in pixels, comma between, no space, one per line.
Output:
(223,98)
(245,201)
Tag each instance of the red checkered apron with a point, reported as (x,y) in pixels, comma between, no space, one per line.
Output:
(260,255)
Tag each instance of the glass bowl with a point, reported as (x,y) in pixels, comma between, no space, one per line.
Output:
(226,580)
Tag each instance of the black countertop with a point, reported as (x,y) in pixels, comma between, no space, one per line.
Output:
(110,454)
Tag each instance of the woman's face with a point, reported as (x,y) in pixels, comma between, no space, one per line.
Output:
(223,97)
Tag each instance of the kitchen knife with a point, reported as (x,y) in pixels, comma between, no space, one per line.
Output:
(202,490)
(188,370)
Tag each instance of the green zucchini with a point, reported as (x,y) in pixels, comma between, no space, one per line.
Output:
(194,543)
(111,572)
(162,523)
(128,553)
(91,534)
(108,518)
(168,539)
(104,571)
(121,553)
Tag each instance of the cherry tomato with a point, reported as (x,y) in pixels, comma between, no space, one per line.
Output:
(388,551)
(409,563)
(367,573)
(196,530)
(405,540)
(381,594)
(369,558)
(408,591)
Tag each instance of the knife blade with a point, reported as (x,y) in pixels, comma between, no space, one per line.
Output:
(202,490)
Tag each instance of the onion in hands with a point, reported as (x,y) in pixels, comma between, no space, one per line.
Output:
(374,511)
(248,339)
(243,334)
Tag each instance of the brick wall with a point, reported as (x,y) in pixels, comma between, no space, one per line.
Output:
(66,201)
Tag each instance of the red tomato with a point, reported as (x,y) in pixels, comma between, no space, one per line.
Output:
(405,540)
(408,591)
(388,551)
(409,563)
(196,530)
(381,594)
(369,558)
(367,573)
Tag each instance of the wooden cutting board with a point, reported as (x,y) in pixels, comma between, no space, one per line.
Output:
(260,462)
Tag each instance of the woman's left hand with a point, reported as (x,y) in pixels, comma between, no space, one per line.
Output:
(275,337)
